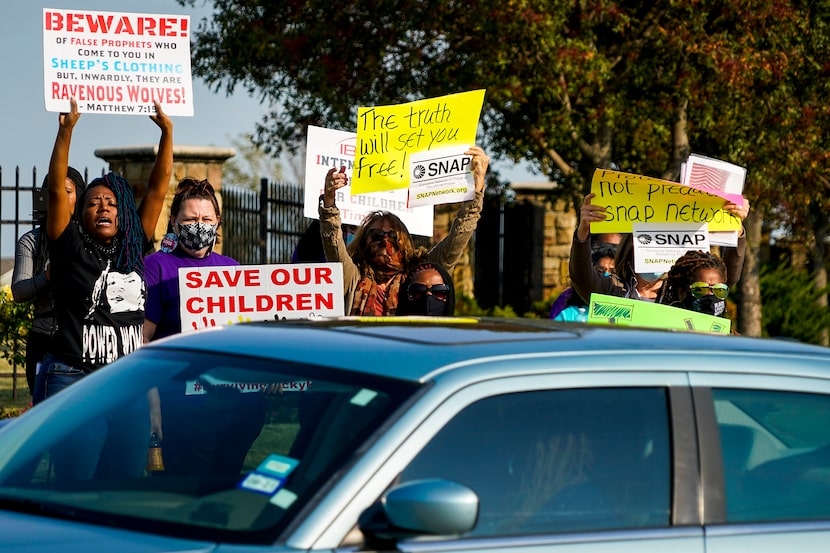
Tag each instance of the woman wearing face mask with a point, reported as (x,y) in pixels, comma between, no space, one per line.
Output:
(194,220)
(627,283)
(697,282)
(429,291)
(381,254)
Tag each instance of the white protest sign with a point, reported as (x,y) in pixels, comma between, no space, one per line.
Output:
(328,148)
(440,176)
(216,296)
(714,176)
(658,245)
(119,63)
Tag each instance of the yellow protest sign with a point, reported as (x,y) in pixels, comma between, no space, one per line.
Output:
(633,199)
(630,312)
(387,135)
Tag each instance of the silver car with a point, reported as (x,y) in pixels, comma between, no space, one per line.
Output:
(429,436)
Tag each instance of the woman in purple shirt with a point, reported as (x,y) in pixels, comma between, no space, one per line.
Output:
(194,220)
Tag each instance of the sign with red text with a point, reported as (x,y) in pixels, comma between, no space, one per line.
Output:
(218,296)
(118,63)
(329,148)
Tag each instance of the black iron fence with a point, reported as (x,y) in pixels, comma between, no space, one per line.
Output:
(262,226)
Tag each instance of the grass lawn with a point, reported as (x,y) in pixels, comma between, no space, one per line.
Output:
(22,398)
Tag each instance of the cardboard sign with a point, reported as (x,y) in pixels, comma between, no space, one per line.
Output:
(658,245)
(388,135)
(633,199)
(441,177)
(117,63)
(329,148)
(215,296)
(630,312)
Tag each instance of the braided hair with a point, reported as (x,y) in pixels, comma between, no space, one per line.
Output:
(684,272)
(129,256)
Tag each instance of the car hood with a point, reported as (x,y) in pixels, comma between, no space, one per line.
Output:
(23,533)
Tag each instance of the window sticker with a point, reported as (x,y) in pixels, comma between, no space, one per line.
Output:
(363,397)
(261,483)
(284,498)
(277,465)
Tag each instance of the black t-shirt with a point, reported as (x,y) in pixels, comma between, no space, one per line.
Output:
(99,309)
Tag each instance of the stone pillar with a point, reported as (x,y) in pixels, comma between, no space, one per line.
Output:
(135,164)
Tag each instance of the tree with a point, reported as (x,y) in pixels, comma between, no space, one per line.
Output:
(252,163)
(571,86)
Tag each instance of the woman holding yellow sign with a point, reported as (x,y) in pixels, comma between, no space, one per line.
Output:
(628,283)
(381,255)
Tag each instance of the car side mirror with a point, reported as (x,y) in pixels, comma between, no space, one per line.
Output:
(432,507)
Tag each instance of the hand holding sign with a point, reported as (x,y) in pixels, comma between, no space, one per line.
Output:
(589,213)
(334,181)
(480,163)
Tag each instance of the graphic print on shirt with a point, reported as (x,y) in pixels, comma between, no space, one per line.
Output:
(124,293)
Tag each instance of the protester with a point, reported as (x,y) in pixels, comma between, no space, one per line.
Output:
(628,283)
(30,279)
(569,306)
(428,290)
(382,254)
(195,218)
(200,434)
(99,293)
(697,282)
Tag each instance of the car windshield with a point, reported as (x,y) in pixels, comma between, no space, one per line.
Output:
(242,443)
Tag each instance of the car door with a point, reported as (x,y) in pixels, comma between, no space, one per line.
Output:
(765,445)
(566,463)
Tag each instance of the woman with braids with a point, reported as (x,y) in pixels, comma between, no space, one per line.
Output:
(627,282)
(381,254)
(697,282)
(97,272)
(30,280)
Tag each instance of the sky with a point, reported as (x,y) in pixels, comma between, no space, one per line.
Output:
(29,130)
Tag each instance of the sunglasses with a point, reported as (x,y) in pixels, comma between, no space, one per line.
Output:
(700,289)
(417,291)
(376,234)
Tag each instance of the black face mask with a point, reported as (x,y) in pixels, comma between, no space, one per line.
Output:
(710,304)
(428,305)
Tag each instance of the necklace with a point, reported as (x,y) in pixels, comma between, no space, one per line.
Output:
(108,250)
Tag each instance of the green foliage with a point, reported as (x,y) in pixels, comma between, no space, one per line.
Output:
(250,165)
(468,306)
(15,323)
(790,305)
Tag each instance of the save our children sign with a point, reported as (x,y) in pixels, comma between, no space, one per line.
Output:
(118,63)
(217,296)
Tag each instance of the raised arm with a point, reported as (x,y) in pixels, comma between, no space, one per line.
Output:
(448,251)
(59,210)
(153,201)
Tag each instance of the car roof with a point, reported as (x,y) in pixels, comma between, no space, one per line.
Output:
(415,348)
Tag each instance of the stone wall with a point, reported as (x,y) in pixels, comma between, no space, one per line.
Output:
(560,224)
(136,163)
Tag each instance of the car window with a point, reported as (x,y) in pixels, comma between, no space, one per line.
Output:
(776,454)
(558,461)
(245,443)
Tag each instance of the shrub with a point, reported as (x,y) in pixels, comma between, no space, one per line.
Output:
(15,323)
